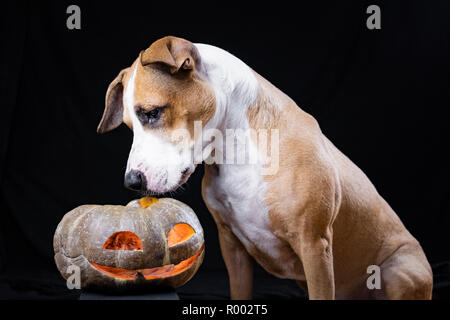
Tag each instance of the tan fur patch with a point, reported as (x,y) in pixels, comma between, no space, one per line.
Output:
(318,193)
(186,96)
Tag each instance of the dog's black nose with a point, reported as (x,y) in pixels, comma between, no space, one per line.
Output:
(135,180)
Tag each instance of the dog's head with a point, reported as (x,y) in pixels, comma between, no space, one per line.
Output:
(159,97)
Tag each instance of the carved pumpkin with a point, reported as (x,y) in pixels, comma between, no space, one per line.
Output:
(150,242)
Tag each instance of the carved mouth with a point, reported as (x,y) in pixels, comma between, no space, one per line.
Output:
(151,273)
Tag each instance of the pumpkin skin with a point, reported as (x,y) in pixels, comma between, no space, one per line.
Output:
(121,248)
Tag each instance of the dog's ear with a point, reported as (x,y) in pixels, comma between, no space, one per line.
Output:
(113,114)
(178,54)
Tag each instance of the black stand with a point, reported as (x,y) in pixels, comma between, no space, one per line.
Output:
(161,295)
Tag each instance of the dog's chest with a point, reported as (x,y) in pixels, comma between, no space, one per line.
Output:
(236,194)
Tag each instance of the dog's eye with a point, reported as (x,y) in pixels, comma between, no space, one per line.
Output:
(149,117)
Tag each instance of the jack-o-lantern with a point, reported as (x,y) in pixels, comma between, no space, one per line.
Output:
(150,242)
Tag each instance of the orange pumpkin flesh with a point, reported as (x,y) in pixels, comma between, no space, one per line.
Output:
(179,233)
(123,240)
(152,273)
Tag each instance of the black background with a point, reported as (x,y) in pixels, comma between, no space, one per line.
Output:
(380,95)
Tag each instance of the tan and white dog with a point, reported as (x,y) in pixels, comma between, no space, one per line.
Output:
(318,219)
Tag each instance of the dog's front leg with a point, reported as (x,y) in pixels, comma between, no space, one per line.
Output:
(317,259)
(310,234)
(238,262)
(311,238)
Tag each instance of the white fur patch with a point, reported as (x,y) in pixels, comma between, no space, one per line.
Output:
(234,85)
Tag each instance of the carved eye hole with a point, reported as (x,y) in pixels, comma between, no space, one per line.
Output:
(179,233)
(123,240)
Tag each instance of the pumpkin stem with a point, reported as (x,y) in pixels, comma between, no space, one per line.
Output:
(146,202)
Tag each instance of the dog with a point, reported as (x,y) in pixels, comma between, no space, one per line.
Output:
(318,219)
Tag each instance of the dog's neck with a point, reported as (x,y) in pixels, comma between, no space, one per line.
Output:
(234,84)
(244,100)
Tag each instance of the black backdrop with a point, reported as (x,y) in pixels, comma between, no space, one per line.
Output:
(380,95)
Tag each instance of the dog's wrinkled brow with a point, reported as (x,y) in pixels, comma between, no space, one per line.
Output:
(146,107)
